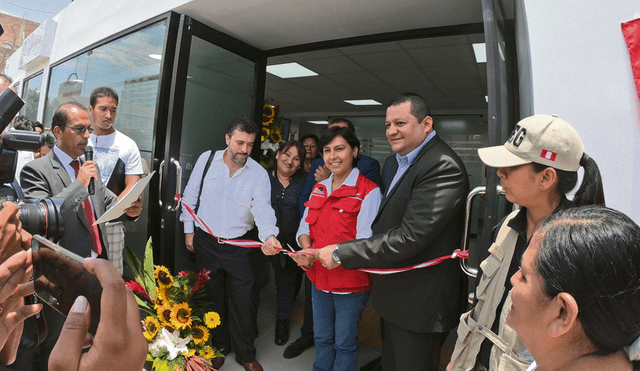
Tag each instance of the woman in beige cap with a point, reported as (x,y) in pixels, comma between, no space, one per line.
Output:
(538,166)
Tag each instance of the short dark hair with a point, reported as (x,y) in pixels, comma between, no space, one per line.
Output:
(345,133)
(593,254)
(419,107)
(5,77)
(22,123)
(38,124)
(342,119)
(103,91)
(241,123)
(48,138)
(60,116)
(284,146)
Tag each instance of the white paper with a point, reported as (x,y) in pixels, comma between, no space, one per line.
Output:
(126,201)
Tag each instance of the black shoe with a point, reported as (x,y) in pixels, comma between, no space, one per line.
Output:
(296,348)
(282,331)
(375,365)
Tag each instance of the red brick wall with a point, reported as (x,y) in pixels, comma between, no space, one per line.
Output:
(15,31)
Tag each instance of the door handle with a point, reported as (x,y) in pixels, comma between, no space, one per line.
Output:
(160,183)
(477,191)
(178,183)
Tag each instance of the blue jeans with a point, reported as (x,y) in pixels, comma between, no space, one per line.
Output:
(336,318)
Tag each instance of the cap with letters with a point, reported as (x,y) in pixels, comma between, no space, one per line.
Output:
(543,139)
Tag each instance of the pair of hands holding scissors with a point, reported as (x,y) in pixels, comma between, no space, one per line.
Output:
(307,256)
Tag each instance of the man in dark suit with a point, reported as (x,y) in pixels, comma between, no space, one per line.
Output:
(54,176)
(420,219)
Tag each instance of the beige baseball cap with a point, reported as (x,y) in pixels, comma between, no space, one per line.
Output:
(543,139)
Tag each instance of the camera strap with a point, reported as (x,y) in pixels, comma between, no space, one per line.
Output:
(31,339)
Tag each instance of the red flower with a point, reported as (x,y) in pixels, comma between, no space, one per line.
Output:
(138,289)
(183,273)
(203,277)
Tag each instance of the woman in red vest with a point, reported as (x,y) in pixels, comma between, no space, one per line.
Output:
(340,208)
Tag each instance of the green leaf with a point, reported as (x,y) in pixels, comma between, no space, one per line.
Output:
(149,281)
(133,264)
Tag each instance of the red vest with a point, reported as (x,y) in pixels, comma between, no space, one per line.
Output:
(333,220)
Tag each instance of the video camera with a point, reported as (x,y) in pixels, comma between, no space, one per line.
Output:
(37,216)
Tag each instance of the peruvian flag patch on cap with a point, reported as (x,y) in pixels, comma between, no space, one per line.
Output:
(548,155)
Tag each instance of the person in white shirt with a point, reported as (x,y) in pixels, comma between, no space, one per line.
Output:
(118,158)
(231,197)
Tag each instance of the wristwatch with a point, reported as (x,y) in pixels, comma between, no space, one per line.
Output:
(336,256)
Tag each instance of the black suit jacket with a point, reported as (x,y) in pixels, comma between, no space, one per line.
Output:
(421,219)
(46,178)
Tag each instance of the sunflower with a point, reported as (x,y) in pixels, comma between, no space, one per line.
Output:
(164,278)
(162,295)
(268,111)
(181,316)
(207,352)
(212,319)
(276,137)
(266,123)
(152,325)
(164,314)
(190,353)
(200,334)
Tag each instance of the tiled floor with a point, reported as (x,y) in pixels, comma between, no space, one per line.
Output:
(270,355)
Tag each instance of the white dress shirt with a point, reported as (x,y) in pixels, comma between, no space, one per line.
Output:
(230,205)
(368,210)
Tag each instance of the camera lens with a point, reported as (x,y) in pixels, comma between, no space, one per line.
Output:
(42,217)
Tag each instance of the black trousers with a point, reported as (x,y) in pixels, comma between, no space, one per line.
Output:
(403,349)
(229,293)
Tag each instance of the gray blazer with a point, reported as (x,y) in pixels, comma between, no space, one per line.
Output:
(421,219)
(46,178)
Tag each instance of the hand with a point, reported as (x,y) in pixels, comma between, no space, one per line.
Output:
(188,240)
(87,171)
(14,285)
(118,343)
(322,173)
(135,209)
(304,260)
(268,248)
(325,255)
(13,238)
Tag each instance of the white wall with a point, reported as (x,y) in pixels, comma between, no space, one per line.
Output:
(73,22)
(581,70)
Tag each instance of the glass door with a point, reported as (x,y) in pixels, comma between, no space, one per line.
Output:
(210,85)
(501,108)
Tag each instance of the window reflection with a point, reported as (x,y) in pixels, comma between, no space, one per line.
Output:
(125,65)
(31,96)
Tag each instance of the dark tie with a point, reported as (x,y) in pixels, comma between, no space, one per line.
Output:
(88,213)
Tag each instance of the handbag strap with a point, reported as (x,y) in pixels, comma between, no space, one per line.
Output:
(204,172)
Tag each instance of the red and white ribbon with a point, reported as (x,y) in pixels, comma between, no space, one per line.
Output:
(457,254)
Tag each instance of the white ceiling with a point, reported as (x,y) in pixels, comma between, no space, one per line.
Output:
(275,24)
(442,69)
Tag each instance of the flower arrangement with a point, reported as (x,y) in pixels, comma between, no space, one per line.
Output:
(178,320)
(271,133)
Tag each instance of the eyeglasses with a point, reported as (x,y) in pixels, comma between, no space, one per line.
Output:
(81,129)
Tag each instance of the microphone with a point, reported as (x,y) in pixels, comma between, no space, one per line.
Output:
(88,156)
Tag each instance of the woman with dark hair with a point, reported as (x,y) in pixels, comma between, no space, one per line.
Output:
(287,177)
(576,297)
(537,167)
(340,208)
(311,144)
